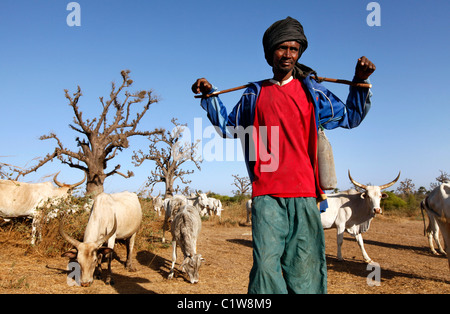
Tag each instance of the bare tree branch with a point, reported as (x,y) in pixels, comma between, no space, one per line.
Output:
(242,184)
(7,171)
(101,141)
(168,158)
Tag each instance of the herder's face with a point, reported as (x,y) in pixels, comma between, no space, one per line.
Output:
(286,56)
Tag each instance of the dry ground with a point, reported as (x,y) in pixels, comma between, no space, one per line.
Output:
(398,245)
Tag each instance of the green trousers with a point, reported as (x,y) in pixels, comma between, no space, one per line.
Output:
(288,246)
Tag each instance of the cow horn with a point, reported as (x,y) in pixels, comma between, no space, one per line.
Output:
(56,181)
(362,186)
(109,235)
(385,186)
(68,185)
(65,236)
(79,183)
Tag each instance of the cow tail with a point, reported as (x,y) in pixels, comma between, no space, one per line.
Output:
(422,207)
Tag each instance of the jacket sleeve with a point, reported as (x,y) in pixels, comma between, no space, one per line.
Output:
(240,115)
(335,113)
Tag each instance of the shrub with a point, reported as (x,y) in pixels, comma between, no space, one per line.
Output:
(51,242)
(403,205)
(393,202)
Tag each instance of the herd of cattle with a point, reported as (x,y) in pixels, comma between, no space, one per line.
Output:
(118,216)
(112,217)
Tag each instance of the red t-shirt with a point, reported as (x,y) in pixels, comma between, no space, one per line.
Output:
(285,140)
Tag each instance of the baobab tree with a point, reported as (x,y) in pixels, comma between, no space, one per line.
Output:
(169,158)
(242,184)
(407,187)
(444,176)
(102,138)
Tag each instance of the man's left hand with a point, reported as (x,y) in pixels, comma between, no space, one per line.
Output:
(364,68)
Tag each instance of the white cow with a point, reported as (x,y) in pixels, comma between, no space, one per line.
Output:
(113,216)
(248,207)
(19,199)
(218,208)
(171,207)
(185,229)
(432,230)
(352,212)
(213,207)
(158,204)
(208,205)
(437,204)
(201,202)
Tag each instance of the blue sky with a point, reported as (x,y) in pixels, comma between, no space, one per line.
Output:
(168,44)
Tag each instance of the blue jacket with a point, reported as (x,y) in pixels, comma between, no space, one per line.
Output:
(329,110)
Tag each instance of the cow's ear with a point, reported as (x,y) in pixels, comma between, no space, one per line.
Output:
(363,195)
(186,261)
(384,195)
(70,254)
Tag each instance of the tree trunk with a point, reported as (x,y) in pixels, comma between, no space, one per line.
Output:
(93,189)
(169,187)
(94,185)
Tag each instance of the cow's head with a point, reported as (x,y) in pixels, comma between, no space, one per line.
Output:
(88,255)
(157,198)
(372,193)
(191,266)
(204,203)
(203,199)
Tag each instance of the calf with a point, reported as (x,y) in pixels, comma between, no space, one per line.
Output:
(185,229)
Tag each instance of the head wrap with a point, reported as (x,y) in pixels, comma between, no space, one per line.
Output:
(281,31)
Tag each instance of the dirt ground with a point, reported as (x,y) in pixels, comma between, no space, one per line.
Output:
(398,245)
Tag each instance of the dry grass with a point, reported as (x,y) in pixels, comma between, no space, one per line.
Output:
(52,244)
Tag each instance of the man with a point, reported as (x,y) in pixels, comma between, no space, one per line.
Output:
(285,114)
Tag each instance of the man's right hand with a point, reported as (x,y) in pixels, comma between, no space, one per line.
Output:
(201,86)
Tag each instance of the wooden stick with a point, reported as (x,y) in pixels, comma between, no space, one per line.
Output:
(326,79)
(332,80)
(222,91)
